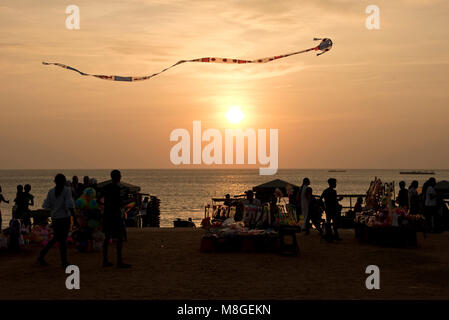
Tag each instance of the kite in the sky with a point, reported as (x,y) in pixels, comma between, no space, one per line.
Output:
(324,46)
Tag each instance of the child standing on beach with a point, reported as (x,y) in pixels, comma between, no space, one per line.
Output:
(19,203)
(2,199)
(28,199)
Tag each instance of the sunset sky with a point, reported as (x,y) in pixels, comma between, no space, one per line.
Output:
(378,99)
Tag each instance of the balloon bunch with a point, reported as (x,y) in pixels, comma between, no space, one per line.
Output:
(86,204)
(40,234)
(88,200)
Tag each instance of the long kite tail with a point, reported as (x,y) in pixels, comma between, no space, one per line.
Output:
(209,59)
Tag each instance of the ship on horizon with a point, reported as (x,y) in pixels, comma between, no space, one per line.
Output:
(417,172)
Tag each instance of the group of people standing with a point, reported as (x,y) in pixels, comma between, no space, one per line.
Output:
(2,199)
(426,202)
(305,204)
(77,188)
(60,201)
(22,202)
(24,199)
(312,208)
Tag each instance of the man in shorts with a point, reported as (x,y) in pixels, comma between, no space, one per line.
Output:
(113,226)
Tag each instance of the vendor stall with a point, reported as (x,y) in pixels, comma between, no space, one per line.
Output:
(40,216)
(231,236)
(134,214)
(249,225)
(381,223)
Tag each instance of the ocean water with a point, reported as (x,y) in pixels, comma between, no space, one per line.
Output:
(184,193)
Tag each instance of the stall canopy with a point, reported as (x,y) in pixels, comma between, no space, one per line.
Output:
(442,187)
(129,187)
(266,190)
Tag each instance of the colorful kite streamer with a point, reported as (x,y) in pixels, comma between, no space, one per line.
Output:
(324,46)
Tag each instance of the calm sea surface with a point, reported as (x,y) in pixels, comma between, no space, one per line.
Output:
(184,193)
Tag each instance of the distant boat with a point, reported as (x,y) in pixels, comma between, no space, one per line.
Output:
(336,170)
(417,172)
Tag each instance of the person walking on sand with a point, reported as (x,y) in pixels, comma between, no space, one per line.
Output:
(59,200)
(113,225)
(332,210)
(2,199)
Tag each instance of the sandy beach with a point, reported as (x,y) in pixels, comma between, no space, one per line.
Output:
(167,264)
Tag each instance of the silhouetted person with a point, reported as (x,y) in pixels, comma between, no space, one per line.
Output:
(77,188)
(304,202)
(85,183)
(239,209)
(274,210)
(314,212)
(28,199)
(430,204)
(93,184)
(2,199)
(144,208)
(358,205)
(332,210)
(413,198)
(227,201)
(293,196)
(191,223)
(60,201)
(403,195)
(19,202)
(227,206)
(113,224)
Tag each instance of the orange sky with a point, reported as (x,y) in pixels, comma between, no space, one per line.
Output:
(379,99)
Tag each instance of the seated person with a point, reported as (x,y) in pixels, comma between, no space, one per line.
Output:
(228,201)
(239,212)
(358,205)
(191,223)
(225,214)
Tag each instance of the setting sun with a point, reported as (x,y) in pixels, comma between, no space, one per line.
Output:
(235,115)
